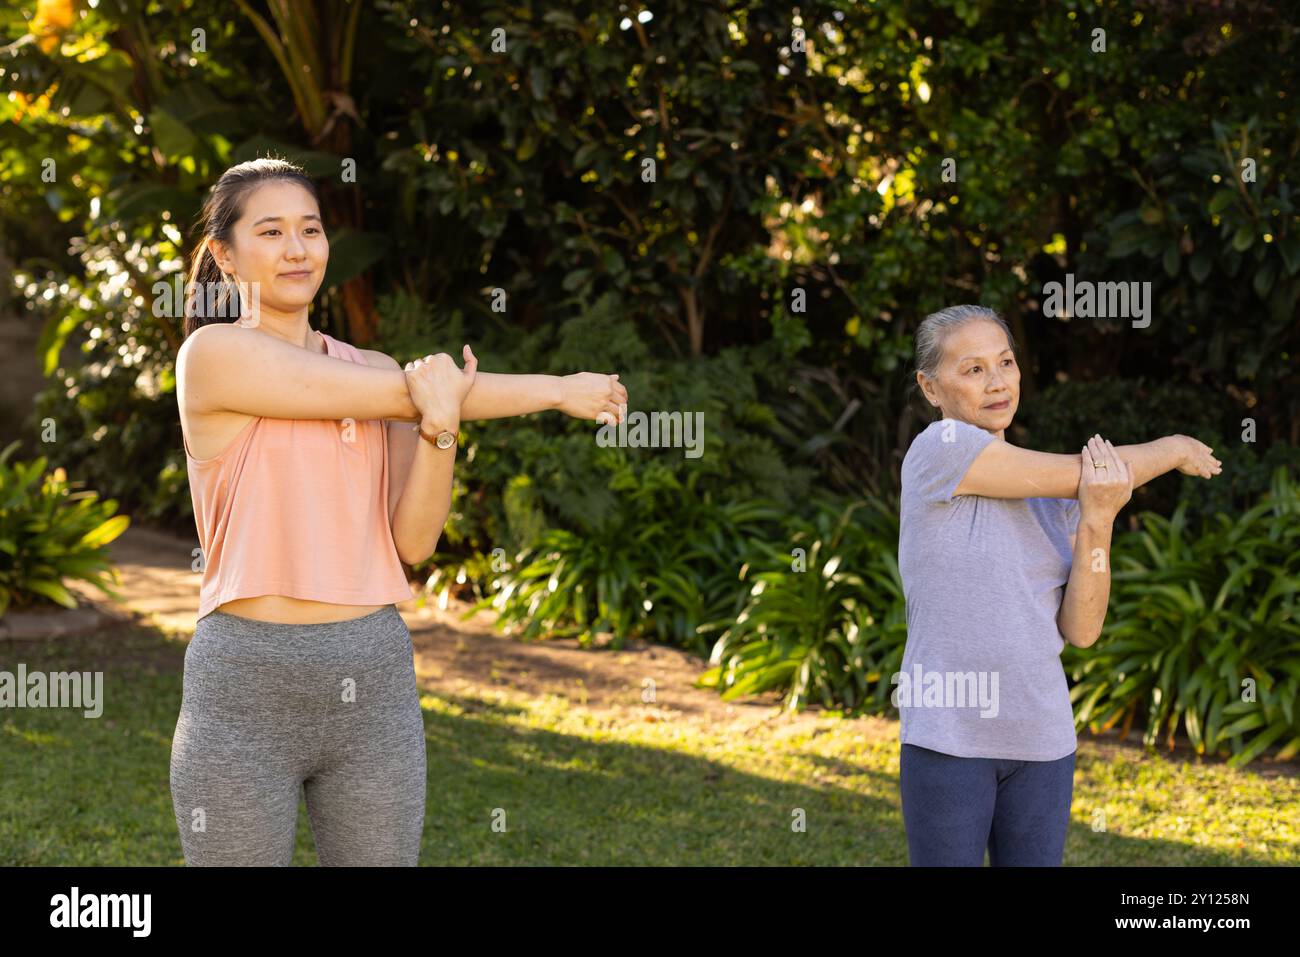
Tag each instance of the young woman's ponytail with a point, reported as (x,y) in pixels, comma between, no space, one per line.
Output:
(209,295)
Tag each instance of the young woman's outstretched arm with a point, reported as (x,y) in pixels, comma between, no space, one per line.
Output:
(260,375)
(583,395)
(224,367)
(1003,470)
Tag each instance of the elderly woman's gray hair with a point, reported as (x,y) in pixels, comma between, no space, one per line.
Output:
(935,329)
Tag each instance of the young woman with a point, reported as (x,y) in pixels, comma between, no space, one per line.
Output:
(1004,555)
(316,468)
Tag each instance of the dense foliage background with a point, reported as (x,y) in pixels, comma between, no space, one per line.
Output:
(798,226)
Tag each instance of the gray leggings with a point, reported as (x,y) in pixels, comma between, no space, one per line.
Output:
(268,709)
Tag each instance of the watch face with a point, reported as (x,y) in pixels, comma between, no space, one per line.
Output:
(446,440)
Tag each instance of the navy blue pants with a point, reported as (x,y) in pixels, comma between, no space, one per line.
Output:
(954,808)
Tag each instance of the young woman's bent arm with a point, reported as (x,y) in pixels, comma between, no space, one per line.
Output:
(223,367)
(1003,470)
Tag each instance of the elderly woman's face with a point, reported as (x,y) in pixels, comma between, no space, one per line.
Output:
(978,380)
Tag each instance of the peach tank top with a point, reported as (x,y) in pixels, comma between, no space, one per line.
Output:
(298,507)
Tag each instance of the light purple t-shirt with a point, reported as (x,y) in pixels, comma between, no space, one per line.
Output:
(983,579)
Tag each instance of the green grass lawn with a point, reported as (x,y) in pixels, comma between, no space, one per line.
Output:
(584,788)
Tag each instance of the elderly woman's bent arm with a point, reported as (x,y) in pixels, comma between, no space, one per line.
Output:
(1087,593)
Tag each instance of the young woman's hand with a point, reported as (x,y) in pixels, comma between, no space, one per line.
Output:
(593,395)
(438,387)
(1105,482)
(1195,457)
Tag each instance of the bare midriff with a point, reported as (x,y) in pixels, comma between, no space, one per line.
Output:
(294,611)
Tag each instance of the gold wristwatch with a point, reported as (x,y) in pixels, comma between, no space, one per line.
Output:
(443,440)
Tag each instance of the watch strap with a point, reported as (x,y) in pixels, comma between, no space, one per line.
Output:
(434,438)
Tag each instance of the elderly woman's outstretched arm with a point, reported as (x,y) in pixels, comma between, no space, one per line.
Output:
(1003,470)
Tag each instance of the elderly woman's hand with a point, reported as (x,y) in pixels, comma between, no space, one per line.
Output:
(1195,457)
(1105,482)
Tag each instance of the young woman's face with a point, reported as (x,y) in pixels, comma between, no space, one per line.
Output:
(279,243)
(978,380)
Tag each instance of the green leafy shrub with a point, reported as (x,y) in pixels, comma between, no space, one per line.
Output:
(523,476)
(48,533)
(129,441)
(661,565)
(410,328)
(825,625)
(1193,617)
(111,415)
(1126,411)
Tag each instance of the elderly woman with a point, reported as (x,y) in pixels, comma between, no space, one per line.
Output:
(1004,556)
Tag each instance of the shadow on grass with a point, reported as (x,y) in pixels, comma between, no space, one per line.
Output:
(97,792)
